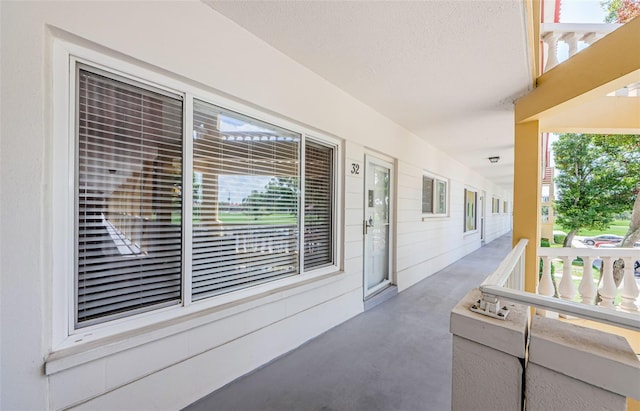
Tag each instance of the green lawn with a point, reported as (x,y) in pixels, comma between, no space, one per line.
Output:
(618,227)
(241,218)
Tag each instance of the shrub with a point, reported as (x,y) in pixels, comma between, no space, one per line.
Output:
(559,238)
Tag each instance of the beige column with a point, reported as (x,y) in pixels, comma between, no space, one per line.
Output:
(526,196)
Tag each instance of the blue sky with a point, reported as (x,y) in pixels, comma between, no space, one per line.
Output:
(581,11)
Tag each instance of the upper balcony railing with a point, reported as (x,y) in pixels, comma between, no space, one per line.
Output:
(572,34)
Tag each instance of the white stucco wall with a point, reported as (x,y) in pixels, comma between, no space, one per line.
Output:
(488,357)
(172,365)
(572,367)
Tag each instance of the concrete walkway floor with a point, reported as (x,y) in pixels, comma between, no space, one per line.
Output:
(395,356)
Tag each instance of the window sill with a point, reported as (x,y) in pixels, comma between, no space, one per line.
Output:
(427,217)
(80,350)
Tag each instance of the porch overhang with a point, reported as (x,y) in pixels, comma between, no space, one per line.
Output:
(574,96)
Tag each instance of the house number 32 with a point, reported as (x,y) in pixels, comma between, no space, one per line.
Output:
(355,168)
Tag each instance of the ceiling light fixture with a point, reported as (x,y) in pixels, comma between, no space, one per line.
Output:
(494,159)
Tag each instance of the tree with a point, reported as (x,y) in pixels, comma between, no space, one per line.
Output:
(621,11)
(593,183)
(280,196)
(626,148)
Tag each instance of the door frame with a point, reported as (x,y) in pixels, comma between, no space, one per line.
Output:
(388,163)
(483,220)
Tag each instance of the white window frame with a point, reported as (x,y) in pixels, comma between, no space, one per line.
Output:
(475,213)
(434,192)
(495,205)
(66,54)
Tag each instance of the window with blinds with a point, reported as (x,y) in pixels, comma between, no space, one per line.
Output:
(434,196)
(129,159)
(318,205)
(427,195)
(245,227)
(262,199)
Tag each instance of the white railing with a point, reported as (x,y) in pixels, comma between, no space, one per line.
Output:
(497,285)
(571,34)
(510,274)
(602,260)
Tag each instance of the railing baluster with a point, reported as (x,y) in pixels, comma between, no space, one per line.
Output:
(566,289)
(608,287)
(587,288)
(629,286)
(546,283)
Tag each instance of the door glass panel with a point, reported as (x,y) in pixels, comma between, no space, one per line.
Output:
(377,230)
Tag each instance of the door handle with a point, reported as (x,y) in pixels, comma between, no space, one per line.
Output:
(367,224)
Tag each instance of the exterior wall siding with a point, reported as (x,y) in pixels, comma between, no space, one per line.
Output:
(168,366)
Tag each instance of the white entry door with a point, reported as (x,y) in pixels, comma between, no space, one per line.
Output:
(377,225)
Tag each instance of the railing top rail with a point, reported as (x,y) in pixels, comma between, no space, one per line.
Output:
(588,252)
(500,276)
(601,28)
(590,312)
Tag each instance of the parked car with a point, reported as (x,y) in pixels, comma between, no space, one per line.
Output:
(605,244)
(603,239)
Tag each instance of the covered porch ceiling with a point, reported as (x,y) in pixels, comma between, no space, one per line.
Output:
(448,71)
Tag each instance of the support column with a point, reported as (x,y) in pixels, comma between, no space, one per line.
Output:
(488,357)
(526,197)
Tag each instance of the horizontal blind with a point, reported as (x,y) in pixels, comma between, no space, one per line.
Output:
(318,205)
(245,201)
(427,194)
(129,151)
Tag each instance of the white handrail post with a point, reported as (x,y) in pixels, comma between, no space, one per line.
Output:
(608,287)
(545,287)
(629,286)
(521,272)
(551,39)
(587,288)
(566,289)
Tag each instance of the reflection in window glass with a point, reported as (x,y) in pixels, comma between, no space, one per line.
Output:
(129,199)
(470,197)
(442,197)
(248,228)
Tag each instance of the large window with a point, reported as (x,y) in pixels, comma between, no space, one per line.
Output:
(434,196)
(259,203)
(129,238)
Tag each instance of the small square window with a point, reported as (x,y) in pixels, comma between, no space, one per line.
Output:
(434,196)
